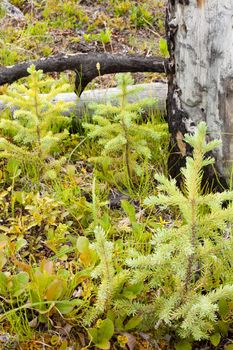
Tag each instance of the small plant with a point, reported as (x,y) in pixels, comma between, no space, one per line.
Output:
(106,272)
(114,285)
(8,55)
(104,37)
(140,16)
(190,267)
(102,333)
(66,15)
(125,140)
(122,8)
(50,289)
(37,127)
(43,289)
(163,48)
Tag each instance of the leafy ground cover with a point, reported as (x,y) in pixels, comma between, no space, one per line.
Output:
(53,27)
(98,247)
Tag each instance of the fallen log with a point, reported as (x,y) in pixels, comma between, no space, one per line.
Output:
(85,66)
(156,91)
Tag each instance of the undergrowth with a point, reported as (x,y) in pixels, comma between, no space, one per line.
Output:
(87,245)
(54,26)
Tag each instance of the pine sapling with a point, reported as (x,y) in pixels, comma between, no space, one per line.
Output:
(125,141)
(38,125)
(190,268)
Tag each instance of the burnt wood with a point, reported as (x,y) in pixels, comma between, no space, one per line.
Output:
(189,100)
(85,66)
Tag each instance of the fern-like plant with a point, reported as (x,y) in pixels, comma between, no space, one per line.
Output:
(105,271)
(38,125)
(190,269)
(126,143)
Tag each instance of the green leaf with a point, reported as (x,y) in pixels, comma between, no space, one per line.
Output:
(223,308)
(215,339)
(133,323)
(20,243)
(13,167)
(100,336)
(107,329)
(97,339)
(163,47)
(183,345)
(66,306)
(119,324)
(82,244)
(93,333)
(54,290)
(223,327)
(19,283)
(131,291)
(105,345)
(3,283)
(19,196)
(129,210)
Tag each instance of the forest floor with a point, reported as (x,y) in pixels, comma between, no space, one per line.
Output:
(73,214)
(49,28)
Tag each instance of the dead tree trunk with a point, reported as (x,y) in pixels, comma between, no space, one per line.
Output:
(200,78)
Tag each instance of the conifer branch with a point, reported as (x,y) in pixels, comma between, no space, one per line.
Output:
(105,270)
(189,272)
(38,124)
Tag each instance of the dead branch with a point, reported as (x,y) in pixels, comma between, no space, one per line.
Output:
(85,67)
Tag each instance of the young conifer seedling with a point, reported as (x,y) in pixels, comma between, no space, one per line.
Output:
(190,269)
(125,141)
(38,125)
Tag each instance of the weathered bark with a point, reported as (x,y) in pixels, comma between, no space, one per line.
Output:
(85,67)
(200,78)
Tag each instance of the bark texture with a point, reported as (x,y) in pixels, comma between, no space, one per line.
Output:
(200,77)
(85,66)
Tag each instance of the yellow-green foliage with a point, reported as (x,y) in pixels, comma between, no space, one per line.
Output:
(64,14)
(191,264)
(38,125)
(180,285)
(126,141)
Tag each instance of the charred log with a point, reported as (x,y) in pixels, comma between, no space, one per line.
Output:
(85,66)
